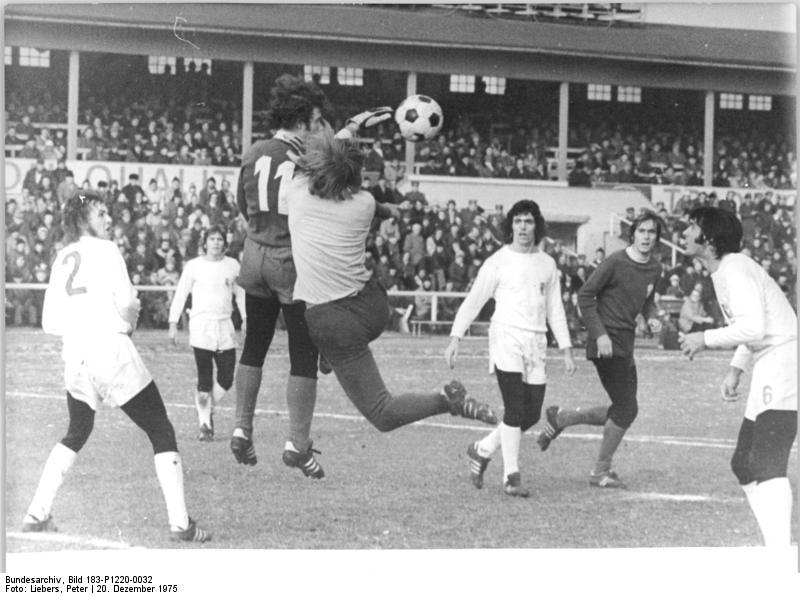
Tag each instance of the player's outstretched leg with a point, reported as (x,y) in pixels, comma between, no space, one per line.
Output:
(559,418)
(460,404)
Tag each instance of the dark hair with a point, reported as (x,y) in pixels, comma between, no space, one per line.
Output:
(75,214)
(216,229)
(520,207)
(646,216)
(719,228)
(292,101)
(333,166)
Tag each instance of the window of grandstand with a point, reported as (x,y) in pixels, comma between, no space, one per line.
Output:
(629,94)
(324,73)
(730,101)
(350,77)
(759,103)
(495,85)
(598,92)
(462,83)
(156,64)
(198,64)
(34,57)
(9,57)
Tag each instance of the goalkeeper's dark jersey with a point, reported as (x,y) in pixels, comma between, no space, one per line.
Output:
(261,193)
(613,296)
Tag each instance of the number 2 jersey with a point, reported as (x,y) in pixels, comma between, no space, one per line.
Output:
(89,288)
(266,172)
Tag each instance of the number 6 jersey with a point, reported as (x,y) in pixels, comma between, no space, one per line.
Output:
(266,172)
(89,293)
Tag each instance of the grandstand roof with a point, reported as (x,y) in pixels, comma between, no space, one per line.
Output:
(439,27)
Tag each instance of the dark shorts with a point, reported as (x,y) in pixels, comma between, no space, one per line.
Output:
(344,328)
(267,271)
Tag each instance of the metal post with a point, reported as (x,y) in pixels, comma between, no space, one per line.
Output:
(708,140)
(247,106)
(563,130)
(411,89)
(72,105)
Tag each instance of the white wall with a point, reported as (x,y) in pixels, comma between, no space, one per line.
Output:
(589,207)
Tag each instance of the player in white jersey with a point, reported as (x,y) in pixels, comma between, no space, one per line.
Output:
(91,304)
(211,281)
(524,283)
(763,327)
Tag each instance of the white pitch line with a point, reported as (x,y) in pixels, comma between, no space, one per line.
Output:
(71,540)
(678,497)
(721,443)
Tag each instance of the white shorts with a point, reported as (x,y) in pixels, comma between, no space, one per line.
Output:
(108,369)
(212,335)
(774,381)
(515,350)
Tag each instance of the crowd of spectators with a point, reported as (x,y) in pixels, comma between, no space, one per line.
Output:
(605,153)
(430,248)
(165,128)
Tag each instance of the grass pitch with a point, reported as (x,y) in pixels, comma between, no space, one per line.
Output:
(406,489)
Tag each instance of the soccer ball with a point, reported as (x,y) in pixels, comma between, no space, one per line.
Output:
(419,118)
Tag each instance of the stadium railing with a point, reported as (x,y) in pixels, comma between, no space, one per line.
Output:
(434,296)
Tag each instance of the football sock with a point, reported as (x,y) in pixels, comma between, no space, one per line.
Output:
(58,464)
(771,503)
(612,436)
(593,416)
(218,392)
(169,471)
(510,438)
(301,397)
(202,402)
(490,443)
(248,381)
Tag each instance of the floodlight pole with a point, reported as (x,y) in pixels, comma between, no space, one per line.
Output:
(247,105)
(411,89)
(708,140)
(563,130)
(72,105)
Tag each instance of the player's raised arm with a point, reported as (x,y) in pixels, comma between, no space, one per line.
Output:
(366,119)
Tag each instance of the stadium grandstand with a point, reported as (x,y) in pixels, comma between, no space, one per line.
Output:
(594,110)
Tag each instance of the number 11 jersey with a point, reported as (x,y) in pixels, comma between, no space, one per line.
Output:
(266,172)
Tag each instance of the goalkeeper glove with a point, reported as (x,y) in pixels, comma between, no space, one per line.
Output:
(365,119)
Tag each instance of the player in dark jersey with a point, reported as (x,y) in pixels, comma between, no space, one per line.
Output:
(622,286)
(267,272)
(267,269)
